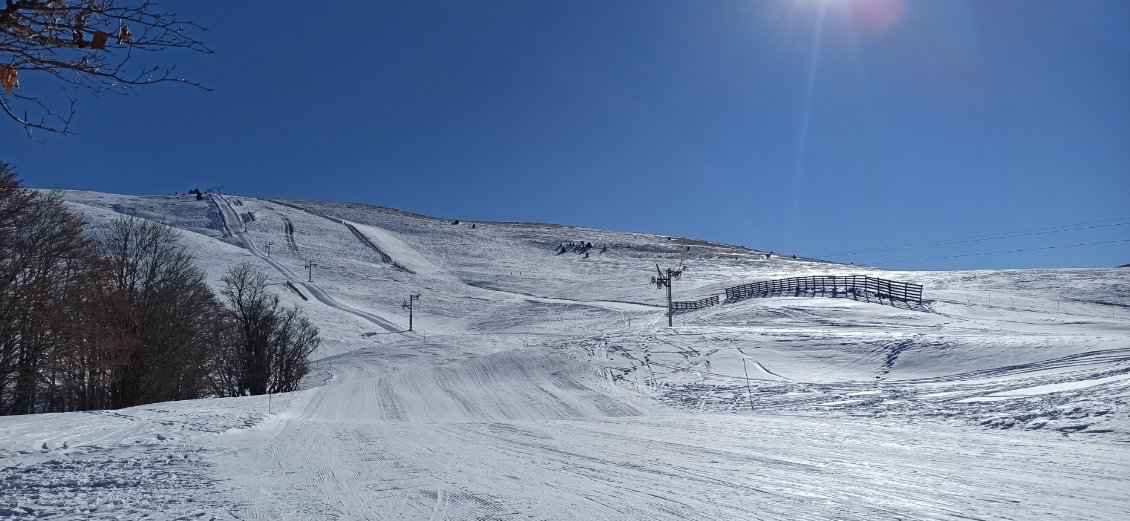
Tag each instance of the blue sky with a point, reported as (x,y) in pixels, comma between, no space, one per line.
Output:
(808,127)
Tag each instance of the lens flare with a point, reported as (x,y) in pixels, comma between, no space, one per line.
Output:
(876,17)
(869,17)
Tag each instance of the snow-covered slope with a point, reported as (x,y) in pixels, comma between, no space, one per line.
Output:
(546,385)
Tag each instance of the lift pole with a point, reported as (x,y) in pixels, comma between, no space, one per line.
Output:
(670,312)
(664,281)
(407,304)
(310,271)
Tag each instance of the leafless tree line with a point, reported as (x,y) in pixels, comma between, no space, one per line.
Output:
(126,318)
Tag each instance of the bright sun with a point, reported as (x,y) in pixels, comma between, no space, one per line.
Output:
(873,17)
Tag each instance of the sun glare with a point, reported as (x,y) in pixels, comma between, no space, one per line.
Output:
(871,17)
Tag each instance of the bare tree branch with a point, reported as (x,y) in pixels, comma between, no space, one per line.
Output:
(86,44)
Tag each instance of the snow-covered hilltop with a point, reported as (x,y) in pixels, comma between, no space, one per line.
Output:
(541,384)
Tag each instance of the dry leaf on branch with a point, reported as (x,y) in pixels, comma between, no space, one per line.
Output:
(9,79)
(124,35)
(99,40)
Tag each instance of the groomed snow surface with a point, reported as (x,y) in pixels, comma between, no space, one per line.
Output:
(540,385)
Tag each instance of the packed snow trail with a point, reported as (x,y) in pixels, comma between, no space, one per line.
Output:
(403,256)
(235,227)
(525,435)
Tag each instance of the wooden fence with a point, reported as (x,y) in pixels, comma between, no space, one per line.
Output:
(683,307)
(834,284)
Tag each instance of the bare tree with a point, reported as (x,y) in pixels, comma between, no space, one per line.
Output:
(272,344)
(171,304)
(50,276)
(92,45)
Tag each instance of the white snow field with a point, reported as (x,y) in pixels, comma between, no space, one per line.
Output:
(540,385)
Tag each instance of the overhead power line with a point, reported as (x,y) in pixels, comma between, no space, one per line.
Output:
(1005,235)
(1002,251)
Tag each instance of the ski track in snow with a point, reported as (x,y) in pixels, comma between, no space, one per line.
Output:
(231,216)
(543,386)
